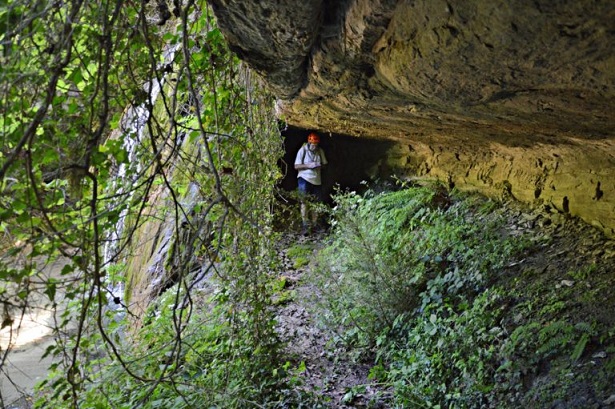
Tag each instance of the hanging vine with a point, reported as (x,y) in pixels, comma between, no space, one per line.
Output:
(119,118)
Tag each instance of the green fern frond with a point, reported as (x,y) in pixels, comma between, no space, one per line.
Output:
(584,327)
(579,348)
(555,344)
(557,327)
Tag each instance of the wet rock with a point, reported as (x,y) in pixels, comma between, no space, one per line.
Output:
(609,401)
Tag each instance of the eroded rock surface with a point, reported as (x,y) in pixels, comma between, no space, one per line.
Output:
(515,96)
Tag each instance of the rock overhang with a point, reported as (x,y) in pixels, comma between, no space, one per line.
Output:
(482,94)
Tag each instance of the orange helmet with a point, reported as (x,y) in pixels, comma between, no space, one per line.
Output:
(313,138)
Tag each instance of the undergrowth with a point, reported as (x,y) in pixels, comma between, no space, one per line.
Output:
(404,252)
(213,364)
(413,278)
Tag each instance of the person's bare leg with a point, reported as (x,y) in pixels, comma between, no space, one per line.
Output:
(304,217)
(314,215)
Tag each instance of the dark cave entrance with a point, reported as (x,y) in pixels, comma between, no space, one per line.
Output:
(351,160)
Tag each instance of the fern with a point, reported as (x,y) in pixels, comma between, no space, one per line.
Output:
(584,327)
(554,337)
(554,344)
(587,331)
(558,335)
(555,328)
(579,348)
(524,334)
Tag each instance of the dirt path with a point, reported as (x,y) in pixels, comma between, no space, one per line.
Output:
(330,371)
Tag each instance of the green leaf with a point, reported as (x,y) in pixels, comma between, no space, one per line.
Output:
(67,269)
(50,290)
(579,348)
(348,397)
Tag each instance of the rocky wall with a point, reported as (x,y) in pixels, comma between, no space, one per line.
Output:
(485,94)
(574,180)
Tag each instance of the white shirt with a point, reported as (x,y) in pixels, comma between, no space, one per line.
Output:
(306,156)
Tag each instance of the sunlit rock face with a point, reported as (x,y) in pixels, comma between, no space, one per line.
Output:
(501,96)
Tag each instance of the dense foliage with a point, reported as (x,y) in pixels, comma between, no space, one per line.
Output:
(420,280)
(404,252)
(138,155)
(124,124)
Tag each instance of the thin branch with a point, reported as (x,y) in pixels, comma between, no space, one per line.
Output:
(58,71)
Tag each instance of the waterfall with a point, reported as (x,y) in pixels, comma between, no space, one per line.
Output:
(132,127)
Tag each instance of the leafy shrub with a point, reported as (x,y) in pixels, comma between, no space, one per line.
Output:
(396,253)
(406,272)
(443,356)
(367,270)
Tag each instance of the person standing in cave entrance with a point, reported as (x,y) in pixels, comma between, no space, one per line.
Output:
(309,163)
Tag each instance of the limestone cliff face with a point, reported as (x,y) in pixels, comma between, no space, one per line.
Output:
(494,95)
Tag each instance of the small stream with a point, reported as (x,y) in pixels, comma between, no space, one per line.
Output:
(29,337)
